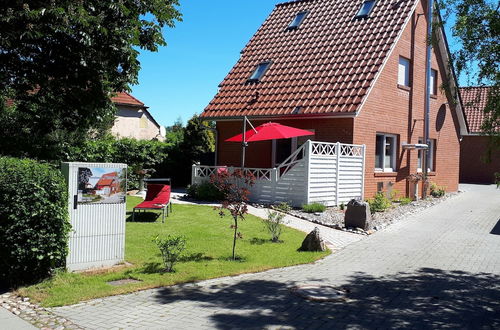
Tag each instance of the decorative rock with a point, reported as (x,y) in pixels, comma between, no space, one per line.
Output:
(358,215)
(313,242)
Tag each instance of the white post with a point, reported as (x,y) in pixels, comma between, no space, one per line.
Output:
(193,173)
(337,150)
(308,170)
(274,183)
(363,173)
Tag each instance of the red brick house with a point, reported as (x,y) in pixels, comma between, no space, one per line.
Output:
(474,145)
(352,72)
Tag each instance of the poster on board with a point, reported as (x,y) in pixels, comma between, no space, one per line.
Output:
(101,185)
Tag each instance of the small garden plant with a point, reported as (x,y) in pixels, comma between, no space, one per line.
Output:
(275,220)
(497,179)
(379,203)
(437,191)
(171,249)
(313,208)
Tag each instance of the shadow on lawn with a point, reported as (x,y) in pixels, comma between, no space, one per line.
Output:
(428,298)
(143,217)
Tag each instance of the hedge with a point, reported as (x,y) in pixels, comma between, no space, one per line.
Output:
(34,221)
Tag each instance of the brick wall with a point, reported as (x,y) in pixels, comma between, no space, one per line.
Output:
(258,154)
(472,168)
(395,110)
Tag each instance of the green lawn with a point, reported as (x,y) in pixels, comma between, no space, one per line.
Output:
(209,240)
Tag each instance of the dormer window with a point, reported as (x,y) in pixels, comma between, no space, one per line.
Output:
(297,20)
(259,71)
(366,9)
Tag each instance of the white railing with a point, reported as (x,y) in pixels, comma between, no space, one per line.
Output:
(329,173)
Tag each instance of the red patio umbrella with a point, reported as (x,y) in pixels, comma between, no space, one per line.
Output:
(268,131)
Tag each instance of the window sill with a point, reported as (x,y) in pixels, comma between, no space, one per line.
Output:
(403,87)
(430,173)
(385,174)
(434,96)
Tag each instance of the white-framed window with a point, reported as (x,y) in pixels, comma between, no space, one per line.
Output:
(433,82)
(432,148)
(404,72)
(385,152)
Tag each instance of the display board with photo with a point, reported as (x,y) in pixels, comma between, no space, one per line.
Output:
(101,185)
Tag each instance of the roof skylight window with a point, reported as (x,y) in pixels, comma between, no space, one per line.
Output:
(297,20)
(366,9)
(259,71)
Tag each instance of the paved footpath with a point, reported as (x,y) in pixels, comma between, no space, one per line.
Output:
(438,268)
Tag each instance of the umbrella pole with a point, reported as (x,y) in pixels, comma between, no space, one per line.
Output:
(244,145)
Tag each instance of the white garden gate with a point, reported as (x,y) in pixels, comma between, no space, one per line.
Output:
(97,209)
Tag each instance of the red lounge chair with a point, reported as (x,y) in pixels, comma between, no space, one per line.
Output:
(157,198)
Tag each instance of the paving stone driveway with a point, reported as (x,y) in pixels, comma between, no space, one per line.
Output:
(440,268)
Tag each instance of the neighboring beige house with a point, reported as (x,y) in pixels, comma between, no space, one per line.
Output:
(134,120)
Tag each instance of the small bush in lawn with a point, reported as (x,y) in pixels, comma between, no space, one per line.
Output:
(171,249)
(379,203)
(274,224)
(34,221)
(437,191)
(205,191)
(313,208)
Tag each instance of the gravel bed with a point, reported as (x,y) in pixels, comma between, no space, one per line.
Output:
(334,217)
(34,314)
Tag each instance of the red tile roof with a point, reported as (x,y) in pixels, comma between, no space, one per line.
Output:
(125,98)
(474,101)
(325,66)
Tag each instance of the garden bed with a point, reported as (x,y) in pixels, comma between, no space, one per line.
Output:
(334,217)
(209,242)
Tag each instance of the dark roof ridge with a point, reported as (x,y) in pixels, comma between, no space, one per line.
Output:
(290,2)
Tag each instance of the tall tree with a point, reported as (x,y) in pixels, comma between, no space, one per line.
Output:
(476,25)
(62,60)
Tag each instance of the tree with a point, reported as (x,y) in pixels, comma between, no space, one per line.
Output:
(234,187)
(477,27)
(198,139)
(175,133)
(62,60)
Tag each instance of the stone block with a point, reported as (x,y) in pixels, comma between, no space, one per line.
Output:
(358,215)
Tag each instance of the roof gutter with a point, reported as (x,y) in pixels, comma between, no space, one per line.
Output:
(284,117)
(428,59)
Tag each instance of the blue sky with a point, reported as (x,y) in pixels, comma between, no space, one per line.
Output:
(182,77)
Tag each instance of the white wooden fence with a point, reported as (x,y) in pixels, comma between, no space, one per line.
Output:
(328,173)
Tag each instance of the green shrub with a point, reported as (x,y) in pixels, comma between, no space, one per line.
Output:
(437,191)
(313,208)
(171,249)
(497,179)
(205,191)
(274,224)
(282,207)
(137,154)
(33,221)
(404,200)
(379,203)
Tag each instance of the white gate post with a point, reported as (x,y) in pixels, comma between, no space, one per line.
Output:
(193,174)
